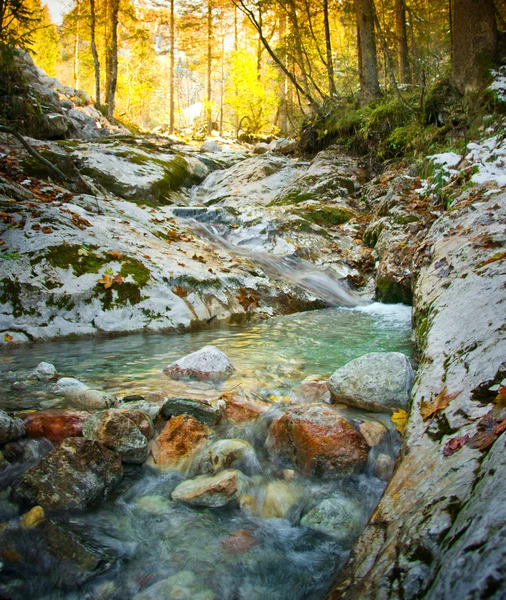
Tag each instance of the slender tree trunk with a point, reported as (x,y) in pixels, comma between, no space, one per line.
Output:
(111,60)
(171,68)
(94,52)
(76,48)
(209,112)
(474,43)
(328,49)
(283,80)
(367,59)
(222,82)
(402,42)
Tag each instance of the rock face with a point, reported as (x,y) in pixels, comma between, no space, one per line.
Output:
(10,429)
(208,363)
(181,437)
(213,492)
(227,454)
(318,441)
(379,381)
(118,433)
(55,425)
(440,527)
(77,474)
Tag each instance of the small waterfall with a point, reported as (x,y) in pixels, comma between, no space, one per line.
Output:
(296,271)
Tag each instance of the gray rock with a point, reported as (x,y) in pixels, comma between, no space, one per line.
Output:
(10,429)
(118,433)
(55,125)
(261,148)
(43,371)
(79,473)
(207,363)
(213,492)
(200,409)
(210,146)
(227,454)
(86,399)
(338,517)
(66,383)
(379,381)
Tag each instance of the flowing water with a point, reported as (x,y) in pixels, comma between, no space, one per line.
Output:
(206,554)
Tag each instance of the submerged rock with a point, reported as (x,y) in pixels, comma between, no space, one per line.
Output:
(43,371)
(240,408)
(200,409)
(118,433)
(10,429)
(181,586)
(279,499)
(65,384)
(55,425)
(374,432)
(379,381)
(86,399)
(207,363)
(181,437)
(227,454)
(213,492)
(77,474)
(319,441)
(338,517)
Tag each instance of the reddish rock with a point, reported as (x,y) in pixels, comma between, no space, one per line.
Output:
(239,541)
(313,389)
(178,441)
(240,409)
(319,441)
(55,425)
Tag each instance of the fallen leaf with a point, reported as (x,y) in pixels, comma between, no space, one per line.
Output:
(118,279)
(47,230)
(400,419)
(8,338)
(180,291)
(500,428)
(115,254)
(82,252)
(106,281)
(80,222)
(485,434)
(36,226)
(2,242)
(500,399)
(493,259)
(455,444)
(440,402)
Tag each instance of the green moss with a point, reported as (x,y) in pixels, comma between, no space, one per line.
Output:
(63,256)
(292,197)
(11,294)
(119,295)
(61,301)
(140,273)
(327,215)
(393,292)
(405,219)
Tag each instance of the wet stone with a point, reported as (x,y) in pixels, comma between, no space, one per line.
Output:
(55,425)
(213,492)
(200,409)
(10,429)
(208,363)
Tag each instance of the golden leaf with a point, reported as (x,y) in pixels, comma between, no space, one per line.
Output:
(441,401)
(400,419)
(106,281)
(115,254)
(8,338)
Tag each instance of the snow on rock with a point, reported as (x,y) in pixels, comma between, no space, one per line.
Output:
(207,363)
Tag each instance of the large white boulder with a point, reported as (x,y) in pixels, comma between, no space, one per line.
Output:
(207,363)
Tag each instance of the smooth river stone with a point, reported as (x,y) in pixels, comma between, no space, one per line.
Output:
(208,363)
(213,492)
(55,425)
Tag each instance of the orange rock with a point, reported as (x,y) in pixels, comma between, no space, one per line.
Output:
(239,541)
(55,425)
(319,441)
(240,408)
(178,441)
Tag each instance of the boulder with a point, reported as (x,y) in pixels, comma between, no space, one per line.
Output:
(55,425)
(67,383)
(379,381)
(213,492)
(10,429)
(79,473)
(181,437)
(319,441)
(208,363)
(373,431)
(210,146)
(338,517)
(181,586)
(141,419)
(227,454)
(118,433)
(240,408)
(200,409)
(54,126)
(261,148)
(86,399)
(43,371)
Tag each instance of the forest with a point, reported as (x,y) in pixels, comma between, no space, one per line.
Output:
(261,67)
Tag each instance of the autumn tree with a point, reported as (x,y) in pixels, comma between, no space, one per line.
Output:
(367,57)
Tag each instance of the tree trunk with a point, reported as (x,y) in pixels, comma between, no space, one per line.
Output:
(111,60)
(328,49)
(76,48)
(94,52)
(209,113)
(402,42)
(283,80)
(367,60)
(171,68)
(474,43)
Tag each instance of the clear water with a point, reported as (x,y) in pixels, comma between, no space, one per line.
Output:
(154,538)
